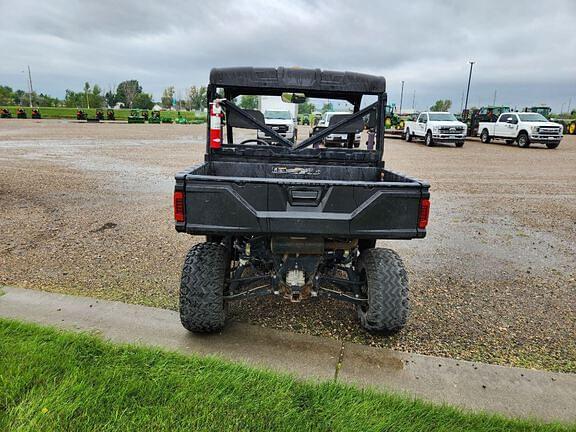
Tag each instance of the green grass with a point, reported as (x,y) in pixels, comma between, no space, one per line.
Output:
(50,380)
(121,114)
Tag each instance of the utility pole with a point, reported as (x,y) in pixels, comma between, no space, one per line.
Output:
(569,103)
(86,87)
(413,99)
(401,97)
(468,88)
(30,85)
(494,100)
(462,101)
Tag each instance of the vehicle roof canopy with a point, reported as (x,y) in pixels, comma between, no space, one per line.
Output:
(314,83)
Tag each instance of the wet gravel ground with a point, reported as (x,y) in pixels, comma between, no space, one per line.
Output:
(86,209)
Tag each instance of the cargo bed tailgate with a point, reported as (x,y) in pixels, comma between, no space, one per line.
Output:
(303,207)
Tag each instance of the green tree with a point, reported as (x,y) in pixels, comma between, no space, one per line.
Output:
(168,97)
(327,107)
(95,97)
(86,91)
(441,105)
(197,97)
(143,101)
(43,100)
(7,96)
(20,97)
(110,98)
(127,92)
(249,102)
(306,108)
(74,100)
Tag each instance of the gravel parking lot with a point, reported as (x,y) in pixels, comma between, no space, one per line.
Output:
(86,209)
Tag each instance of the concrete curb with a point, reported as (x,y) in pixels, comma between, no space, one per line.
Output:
(513,392)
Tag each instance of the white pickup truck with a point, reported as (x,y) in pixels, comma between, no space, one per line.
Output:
(436,127)
(281,122)
(334,140)
(524,128)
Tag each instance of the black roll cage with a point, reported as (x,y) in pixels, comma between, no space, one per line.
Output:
(232,106)
(354,98)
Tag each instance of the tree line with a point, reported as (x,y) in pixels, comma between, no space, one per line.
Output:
(128,93)
(20,97)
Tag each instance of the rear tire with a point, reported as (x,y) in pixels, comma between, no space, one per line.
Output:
(553,145)
(428,140)
(460,144)
(485,136)
(523,140)
(202,284)
(509,141)
(387,291)
(408,136)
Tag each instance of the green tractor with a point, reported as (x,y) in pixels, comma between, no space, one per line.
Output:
(485,114)
(136,116)
(542,109)
(569,124)
(154,118)
(180,119)
(393,123)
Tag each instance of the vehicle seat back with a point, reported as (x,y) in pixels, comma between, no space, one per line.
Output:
(235,120)
(356,126)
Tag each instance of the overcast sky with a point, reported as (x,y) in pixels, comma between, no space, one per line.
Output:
(525,50)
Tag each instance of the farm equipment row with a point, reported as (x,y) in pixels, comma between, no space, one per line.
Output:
(136,116)
(20,113)
(142,116)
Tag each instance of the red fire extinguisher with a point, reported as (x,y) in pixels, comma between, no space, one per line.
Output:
(215,125)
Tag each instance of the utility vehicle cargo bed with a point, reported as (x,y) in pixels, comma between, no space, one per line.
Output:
(301,200)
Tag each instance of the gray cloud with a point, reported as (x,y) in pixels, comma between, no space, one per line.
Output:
(524,50)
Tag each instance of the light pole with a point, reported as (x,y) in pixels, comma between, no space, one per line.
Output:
(401,97)
(28,85)
(468,88)
(31,89)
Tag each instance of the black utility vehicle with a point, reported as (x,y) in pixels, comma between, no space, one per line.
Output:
(294,219)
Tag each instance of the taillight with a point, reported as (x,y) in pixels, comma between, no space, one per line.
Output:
(423,213)
(179,214)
